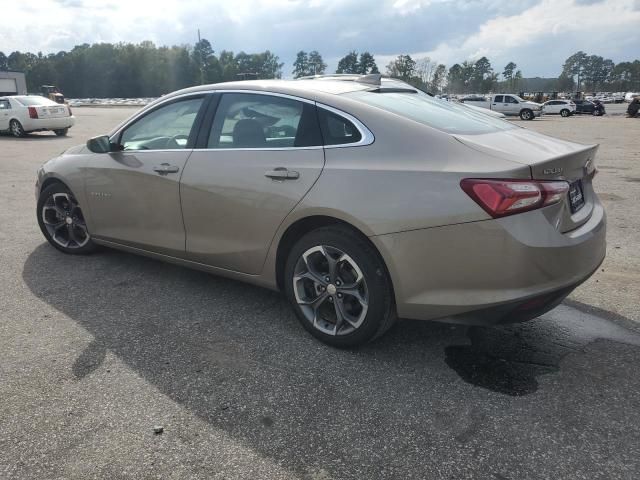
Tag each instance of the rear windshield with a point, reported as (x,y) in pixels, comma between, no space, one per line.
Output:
(446,116)
(34,101)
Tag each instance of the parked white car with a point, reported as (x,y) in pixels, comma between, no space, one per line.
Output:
(22,114)
(564,108)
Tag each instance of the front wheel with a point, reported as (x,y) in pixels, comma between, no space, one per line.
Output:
(564,112)
(526,114)
(339,287)
(61,132)
(62,222)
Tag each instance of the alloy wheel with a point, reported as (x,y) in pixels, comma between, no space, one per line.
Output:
(63,219)
(16,129)
(330,290)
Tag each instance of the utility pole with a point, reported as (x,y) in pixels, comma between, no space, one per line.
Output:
(201,61)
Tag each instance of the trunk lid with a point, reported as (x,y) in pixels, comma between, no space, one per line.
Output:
(548,158)
(52,111)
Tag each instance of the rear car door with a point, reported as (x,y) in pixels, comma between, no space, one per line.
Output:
(261,154)
(5,114)
(134,194)
(497,102)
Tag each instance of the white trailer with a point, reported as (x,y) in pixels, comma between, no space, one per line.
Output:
(12,83)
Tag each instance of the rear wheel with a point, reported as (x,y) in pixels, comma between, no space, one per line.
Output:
(61,132)
(526,114)
(16,129)
(564,112)
(339,287)
(62,222)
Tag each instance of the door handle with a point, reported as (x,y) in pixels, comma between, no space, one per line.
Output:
(165,168)
(282,173)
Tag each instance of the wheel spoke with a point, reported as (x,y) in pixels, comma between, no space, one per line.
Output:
(355,293)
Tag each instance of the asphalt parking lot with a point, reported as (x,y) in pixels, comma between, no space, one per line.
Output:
(95,352)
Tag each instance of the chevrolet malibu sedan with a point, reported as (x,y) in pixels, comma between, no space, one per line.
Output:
(362,202)
(22,114)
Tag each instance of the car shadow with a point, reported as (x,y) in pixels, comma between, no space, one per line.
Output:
(236,356)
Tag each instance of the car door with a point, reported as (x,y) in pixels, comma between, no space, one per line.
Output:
(511,105)
(497,103)
(5,114)
(134,194)
(262,153)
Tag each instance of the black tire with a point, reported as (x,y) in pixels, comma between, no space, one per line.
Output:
(56,205)
(380,313)
(526,114)
(62,132)
(564,112)
(16,129)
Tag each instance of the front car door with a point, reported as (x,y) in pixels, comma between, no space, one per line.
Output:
(134,194)
(511,105)
(262,153)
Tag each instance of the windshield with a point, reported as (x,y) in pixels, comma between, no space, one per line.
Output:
(34,101)
(442,115)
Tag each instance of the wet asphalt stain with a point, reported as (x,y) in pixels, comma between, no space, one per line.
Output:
(508,359)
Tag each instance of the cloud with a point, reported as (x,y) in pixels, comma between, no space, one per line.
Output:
(536,34)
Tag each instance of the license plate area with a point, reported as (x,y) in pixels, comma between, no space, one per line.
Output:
(576,196)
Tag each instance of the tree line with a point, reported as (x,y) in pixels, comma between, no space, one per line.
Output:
(147,70)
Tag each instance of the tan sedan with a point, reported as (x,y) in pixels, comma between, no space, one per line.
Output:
(362,200)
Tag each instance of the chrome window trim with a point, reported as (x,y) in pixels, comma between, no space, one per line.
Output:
(367,137)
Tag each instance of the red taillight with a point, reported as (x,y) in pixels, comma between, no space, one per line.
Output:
(33,113)
(500,198)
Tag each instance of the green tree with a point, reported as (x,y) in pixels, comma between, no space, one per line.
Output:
(301,65)
(508,72)
(574,66)
(316,63)
(438,79)
(403,67)
(349,63)
(367,64)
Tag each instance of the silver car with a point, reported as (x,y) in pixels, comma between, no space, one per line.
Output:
(362,201)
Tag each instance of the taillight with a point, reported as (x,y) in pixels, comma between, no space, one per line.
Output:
(33,113)
(500,198)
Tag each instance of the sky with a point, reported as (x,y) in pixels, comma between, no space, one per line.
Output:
(538,35)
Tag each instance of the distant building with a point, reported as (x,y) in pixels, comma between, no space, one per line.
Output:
(13,83)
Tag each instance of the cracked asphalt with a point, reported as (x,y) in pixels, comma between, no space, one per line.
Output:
(96,352)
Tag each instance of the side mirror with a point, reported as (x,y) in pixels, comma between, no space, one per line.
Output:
(99,144)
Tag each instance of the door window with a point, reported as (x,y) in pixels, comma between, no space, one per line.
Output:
(498,99)
(5,105)
(165,128)
(249,120)
(508,99)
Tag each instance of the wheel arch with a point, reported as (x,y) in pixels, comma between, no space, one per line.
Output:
(304,225)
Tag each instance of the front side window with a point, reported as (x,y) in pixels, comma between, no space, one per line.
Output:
(165,128)
(508,99)
(249,120)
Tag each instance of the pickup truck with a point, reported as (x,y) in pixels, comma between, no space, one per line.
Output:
(508,104)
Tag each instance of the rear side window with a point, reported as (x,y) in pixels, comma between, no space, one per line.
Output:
(499,99)
(445,116)
(249,120)
(337,130)
(5,105)
(34,101)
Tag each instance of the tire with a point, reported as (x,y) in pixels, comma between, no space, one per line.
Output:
(359,287)
(526,114)
(61,221)
(16,129)
(564,112)
(62,132)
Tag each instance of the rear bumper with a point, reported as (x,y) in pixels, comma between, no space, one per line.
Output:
(35,124)
(491,271)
